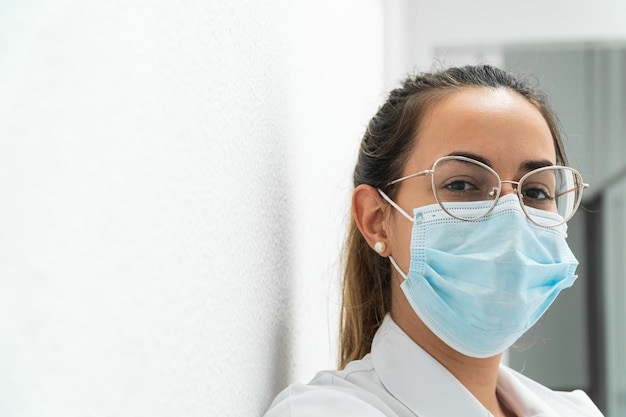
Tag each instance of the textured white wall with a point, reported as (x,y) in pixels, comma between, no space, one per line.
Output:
(174,178)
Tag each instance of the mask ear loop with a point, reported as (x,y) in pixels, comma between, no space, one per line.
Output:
(395,265)
(409,218)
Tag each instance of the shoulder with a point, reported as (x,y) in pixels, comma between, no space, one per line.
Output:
(349,392)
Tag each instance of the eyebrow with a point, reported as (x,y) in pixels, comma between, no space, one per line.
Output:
(472,156)
(525,166)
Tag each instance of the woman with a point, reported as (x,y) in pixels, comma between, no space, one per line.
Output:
(456,247)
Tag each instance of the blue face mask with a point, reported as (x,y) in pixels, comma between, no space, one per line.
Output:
(480,285)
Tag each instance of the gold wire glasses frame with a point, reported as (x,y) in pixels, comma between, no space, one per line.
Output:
(550,189)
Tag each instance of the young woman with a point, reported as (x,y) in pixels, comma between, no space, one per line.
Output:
(456,247)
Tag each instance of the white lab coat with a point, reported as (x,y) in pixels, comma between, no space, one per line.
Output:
(399,379)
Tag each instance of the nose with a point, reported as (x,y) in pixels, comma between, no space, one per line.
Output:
(508,187)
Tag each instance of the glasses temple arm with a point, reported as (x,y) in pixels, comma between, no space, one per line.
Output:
(417,174)
(583,186)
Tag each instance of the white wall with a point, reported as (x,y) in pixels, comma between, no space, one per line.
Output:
(174,178)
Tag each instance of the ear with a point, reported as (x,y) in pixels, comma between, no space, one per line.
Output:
(371,216)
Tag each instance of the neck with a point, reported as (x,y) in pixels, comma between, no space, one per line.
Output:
(479,376)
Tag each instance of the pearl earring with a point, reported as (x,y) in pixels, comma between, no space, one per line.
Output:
(380,247)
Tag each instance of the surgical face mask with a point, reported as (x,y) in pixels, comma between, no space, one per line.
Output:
(480,285)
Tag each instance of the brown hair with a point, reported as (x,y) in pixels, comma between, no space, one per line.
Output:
(386,144)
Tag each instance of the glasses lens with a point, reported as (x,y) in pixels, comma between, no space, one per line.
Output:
(461,180)
(551,195)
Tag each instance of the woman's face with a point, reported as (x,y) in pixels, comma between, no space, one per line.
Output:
(496,126)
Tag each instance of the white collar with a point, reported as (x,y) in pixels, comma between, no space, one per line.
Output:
(418,380)
(529,398)
(428,389)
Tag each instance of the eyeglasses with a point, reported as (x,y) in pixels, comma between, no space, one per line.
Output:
(549,196)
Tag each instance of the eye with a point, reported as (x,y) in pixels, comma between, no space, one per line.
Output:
(459,185)
(537,194)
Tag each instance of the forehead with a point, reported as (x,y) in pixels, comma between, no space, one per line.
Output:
(497,124)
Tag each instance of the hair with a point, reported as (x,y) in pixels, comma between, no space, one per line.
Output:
(388,140)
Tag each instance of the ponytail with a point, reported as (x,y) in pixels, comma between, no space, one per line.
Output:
(366,296)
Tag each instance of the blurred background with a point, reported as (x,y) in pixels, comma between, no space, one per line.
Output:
(175,181)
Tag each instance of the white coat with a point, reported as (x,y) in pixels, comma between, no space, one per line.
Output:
(399,379)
